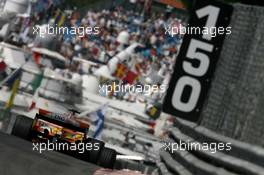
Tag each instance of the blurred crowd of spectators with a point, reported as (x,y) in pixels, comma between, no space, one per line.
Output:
(154,62)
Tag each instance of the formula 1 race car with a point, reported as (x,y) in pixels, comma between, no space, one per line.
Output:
(67,129)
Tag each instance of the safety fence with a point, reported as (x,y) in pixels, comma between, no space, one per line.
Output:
(235,103)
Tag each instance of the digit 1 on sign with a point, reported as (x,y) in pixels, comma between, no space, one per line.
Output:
(212,12)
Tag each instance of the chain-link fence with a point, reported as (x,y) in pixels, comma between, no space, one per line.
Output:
(235,104)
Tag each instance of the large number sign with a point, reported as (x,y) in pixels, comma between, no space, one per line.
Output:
(197,59)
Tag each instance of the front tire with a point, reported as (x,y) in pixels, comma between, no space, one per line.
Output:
(22,127)
(107,158)
(93,155)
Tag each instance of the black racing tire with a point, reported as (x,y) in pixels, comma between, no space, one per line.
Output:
(93,155)
(22,127)
(107,158)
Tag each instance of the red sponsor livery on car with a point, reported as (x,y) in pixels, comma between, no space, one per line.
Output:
(66,118)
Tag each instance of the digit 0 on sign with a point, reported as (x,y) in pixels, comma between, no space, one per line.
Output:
(182,83)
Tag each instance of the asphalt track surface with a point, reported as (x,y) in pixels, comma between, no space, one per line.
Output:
(18,158)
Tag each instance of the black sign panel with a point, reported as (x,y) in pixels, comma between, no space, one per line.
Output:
(196,62)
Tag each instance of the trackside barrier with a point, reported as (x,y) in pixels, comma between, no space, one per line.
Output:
(194,164)
(239,149)
(204,162)
(162,168)
(172,164)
